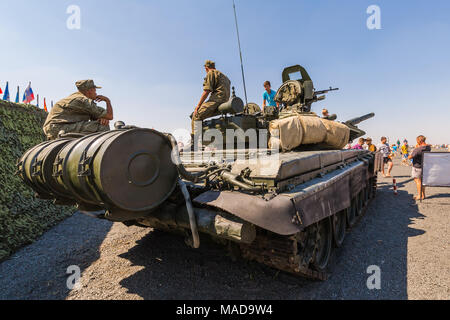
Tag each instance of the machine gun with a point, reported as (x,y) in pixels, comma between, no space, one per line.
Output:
(325,91)
(318,96)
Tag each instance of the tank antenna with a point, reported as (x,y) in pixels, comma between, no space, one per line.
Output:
(240,52)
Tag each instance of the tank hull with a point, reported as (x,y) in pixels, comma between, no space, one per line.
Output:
(314,195)
(286,210)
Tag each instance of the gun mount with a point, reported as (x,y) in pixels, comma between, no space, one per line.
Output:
(297,91)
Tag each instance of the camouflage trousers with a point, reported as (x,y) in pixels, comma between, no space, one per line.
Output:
(86,127)
(207,110)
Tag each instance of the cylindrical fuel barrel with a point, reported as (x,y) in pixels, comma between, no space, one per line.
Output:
(232,106)
(35,168)
(122,170)
(66,172)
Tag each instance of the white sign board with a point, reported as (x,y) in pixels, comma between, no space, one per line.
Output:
(436,169)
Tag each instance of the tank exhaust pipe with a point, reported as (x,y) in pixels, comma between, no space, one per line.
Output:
(190,210)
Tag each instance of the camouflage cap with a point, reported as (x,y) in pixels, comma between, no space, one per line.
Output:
(86,85)
(210,64)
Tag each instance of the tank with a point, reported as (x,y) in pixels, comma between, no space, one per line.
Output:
(274,186)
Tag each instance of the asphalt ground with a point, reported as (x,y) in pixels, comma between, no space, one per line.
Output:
(407,240)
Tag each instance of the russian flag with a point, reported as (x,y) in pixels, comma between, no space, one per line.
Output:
(28,95)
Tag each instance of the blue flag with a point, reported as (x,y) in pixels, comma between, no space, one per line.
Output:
(17,95)
(6,94)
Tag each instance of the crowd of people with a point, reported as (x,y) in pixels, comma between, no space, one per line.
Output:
(413,158)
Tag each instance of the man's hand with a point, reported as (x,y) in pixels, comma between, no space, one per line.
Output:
(102,98)
(109,111)
(205,95)
(103,121)
(196,110)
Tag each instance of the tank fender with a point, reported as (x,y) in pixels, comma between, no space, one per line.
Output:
(290,212)
(274,215)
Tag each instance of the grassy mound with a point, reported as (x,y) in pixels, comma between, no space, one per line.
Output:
(23,218)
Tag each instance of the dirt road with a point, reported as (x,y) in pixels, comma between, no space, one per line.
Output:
(408,241)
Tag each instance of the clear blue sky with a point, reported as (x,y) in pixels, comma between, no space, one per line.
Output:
(148,56)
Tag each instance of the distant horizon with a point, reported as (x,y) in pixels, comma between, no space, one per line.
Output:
(148,57)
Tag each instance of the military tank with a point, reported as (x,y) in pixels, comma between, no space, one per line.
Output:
(274,186)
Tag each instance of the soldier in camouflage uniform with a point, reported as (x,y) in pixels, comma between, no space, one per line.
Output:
(78,113)
(218,85)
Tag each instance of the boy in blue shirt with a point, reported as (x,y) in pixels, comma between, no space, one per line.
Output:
(269,96)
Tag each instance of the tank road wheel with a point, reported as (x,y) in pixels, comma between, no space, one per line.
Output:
(351,213)
(323,245)
(306,242)
(339,226)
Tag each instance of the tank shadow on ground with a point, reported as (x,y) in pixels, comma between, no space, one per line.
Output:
(173,271)
(39,271)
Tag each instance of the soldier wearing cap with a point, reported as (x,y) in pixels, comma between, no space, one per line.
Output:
(218,85)
(78,113)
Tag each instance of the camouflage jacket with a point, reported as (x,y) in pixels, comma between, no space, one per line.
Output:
(76,107)
(218,84)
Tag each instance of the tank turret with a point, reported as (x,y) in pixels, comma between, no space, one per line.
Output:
(307,131)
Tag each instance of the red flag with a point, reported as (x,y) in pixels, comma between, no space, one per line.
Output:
(45,106)
(1,90)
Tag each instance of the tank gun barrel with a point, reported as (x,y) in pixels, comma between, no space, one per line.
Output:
(358,120)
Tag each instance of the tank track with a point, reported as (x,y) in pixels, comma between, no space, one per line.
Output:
(286,253)
(280,253)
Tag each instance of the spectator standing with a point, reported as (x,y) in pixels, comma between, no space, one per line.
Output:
(416,173)
(386,152)
(371,147)
(405,152)
(359,145)
(394,148)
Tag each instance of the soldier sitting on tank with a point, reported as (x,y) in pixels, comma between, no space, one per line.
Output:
(218,85)
(78,113)
(326,115)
